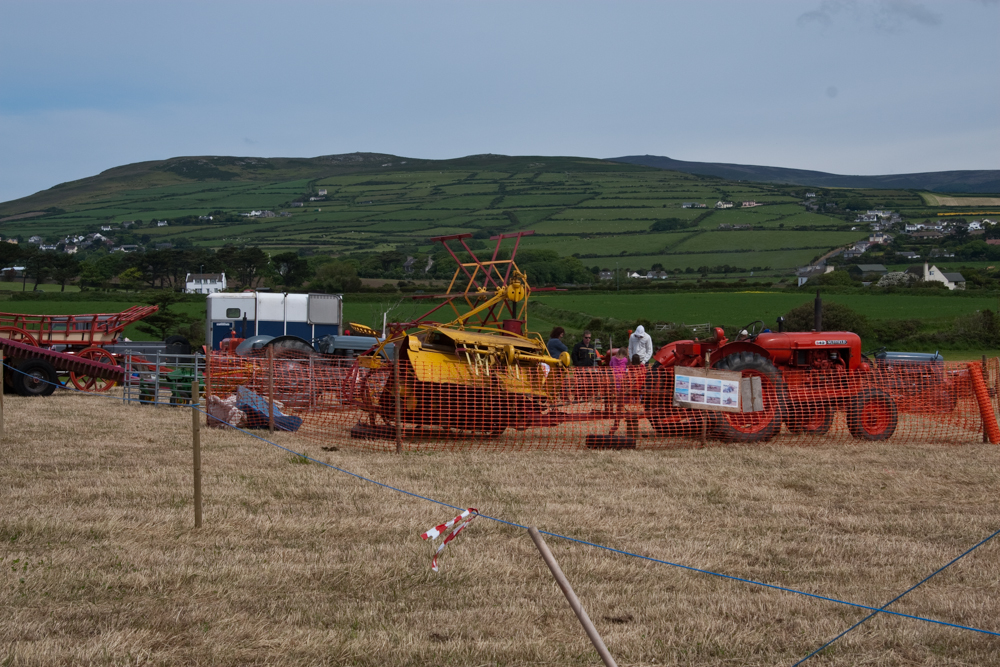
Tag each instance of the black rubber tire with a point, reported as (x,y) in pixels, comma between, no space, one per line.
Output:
(819,425)
(658,406)
(35,377)
(725,425)
(177,344)
(859,416)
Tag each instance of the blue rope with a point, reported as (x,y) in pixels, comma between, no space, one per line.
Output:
(911,588)
(689,568)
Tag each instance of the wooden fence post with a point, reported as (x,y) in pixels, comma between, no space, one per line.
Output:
(574,602)
(270,389)
(196,446)
(986,378)
(3,374)
(399,409)
(208,380)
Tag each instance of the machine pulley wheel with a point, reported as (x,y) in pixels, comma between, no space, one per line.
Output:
(751,426)
(35,377)
(872,416)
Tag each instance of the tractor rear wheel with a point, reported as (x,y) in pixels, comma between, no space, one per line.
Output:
(872,416)
(751,426)
(35,377)
(658,406)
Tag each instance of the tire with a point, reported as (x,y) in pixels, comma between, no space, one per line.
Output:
(872,416)
(815,418)
(658,406)
(35,377)
(751,426)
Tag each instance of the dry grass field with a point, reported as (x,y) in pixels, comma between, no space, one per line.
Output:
(298,564)
(944,200)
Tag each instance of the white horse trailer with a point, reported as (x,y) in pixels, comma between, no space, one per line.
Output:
(308,316)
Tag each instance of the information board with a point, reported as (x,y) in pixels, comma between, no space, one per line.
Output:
(707,389)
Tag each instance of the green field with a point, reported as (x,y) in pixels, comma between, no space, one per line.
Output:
(598,210)
(737,308)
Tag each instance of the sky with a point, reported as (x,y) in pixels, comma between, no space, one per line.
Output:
(844,86)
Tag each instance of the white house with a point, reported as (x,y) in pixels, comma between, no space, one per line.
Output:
(161,223)
(952,281)
(723,204)
(204,283)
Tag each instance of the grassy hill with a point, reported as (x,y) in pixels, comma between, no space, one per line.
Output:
(598,210)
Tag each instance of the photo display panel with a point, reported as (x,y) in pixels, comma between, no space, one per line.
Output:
(706,389)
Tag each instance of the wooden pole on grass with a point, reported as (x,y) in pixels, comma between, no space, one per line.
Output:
(208,380)
(3,374)
(196,446)
(574,602)
(270,388)
(986,377)
(399,407)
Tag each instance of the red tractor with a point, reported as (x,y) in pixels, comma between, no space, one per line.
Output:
(805,378)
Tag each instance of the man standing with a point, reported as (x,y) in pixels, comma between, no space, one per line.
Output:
(641,344)
(584,353)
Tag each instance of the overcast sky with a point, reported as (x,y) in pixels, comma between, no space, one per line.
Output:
(850,87)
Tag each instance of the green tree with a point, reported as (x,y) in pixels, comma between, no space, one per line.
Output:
(291,269)
(64,269)
(245,264)
(130,279)
(337,276)
(165,321)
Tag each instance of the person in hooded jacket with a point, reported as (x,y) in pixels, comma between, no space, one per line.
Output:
(641,344)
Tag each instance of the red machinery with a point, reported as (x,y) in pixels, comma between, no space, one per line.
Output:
(82,335)
(805,378)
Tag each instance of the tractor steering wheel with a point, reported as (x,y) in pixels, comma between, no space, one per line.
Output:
(751,331)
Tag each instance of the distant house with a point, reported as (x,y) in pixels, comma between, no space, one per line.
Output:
(70,249)
(204,283)
(37,240)
(297,203)
(868,270)
(928,234)
(953,281)
(161,223)
(606,275)
(939,252)
(880,238)
(48,247)
(750,204)
(164,246)
(204,218)
(106,228)
(128,247)
(908,254)
(723,204)
(12,240)
(127,223)
(322,193)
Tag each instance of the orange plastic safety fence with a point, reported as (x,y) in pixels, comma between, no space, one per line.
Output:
(464,404)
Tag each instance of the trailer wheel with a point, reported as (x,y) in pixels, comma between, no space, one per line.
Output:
(751,426)
(35,377)
(815,418)
(88,383)
(872,416)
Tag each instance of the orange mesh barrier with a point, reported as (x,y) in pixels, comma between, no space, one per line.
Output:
(464,405)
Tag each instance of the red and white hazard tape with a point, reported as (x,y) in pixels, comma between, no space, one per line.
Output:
(457,525)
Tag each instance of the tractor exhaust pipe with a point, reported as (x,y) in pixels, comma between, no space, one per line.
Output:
(781,324)
(818,314)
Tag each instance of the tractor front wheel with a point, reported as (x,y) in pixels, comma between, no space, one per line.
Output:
(811,418)
(751,426)
(872,416)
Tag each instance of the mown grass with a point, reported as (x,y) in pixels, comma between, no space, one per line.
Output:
(301,565)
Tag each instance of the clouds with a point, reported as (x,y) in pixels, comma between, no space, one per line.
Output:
(889,16)
(845,88)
